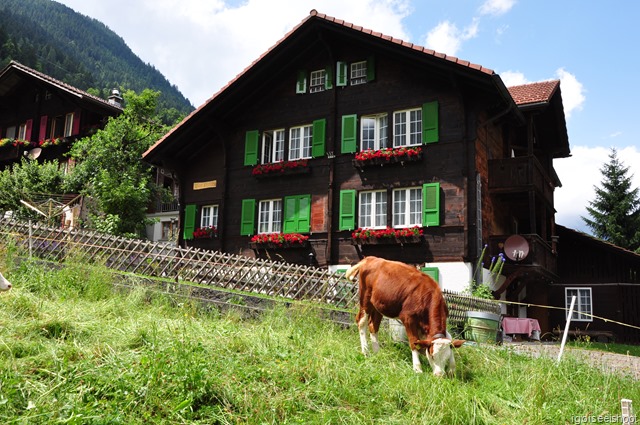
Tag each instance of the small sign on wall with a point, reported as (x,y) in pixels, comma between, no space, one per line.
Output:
(205,185)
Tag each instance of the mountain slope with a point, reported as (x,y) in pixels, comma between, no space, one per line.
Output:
(78,50)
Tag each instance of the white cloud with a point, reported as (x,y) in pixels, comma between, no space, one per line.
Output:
(513,78)
(496,7)
(447,38)
(573,92)
(580,174)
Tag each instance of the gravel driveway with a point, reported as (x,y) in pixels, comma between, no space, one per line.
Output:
(608,362)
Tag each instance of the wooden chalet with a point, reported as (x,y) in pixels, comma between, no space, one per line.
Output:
(340,142)
(41,117)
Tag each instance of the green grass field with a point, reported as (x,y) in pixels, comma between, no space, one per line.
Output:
(75,351)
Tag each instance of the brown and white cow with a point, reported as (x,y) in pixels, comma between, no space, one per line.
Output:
(398,290)
(5,285)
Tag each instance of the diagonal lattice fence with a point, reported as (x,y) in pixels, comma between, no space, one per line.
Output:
(206,268)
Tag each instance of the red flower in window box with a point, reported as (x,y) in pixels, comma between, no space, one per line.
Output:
(387,156)
(205,232)
(282,167)
(13,142)
(409,234)
(45,143)
(279,240)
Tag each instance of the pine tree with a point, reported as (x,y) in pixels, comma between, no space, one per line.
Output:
(615,212)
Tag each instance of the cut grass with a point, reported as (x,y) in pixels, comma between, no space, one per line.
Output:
(73,350)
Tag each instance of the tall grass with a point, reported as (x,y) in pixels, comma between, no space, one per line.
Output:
(75,351)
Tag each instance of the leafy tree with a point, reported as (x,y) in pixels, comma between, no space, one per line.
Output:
(24,181)
(110,170)
(615,212)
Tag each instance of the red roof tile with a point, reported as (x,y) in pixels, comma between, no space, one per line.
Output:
(534,92)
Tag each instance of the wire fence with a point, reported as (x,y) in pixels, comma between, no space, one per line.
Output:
(210,269)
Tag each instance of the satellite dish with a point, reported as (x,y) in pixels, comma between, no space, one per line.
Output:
(516,248)
(34,153)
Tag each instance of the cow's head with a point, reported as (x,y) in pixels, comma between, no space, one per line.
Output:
(439,352)
(5,285)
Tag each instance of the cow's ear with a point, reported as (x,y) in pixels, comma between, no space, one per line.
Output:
(457,343)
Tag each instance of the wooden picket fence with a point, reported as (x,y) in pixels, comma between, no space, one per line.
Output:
(206,268)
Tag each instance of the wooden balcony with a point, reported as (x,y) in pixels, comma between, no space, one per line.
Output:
(521,174)
(541,253)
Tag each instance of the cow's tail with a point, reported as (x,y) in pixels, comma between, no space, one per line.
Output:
(353,271)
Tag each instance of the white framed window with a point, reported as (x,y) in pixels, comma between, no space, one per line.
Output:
(407,128)
(372,209)
(22,131)
(300,139)
(270,216)
(318,81)
(583,307)
(11,132)
(374,132)
(407,207)
(272,146)
(68,124)
(358,73)
(209,216)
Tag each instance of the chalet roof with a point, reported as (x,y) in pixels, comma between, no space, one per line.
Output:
(540,92)
(488,76)
(8,78)
(584,238)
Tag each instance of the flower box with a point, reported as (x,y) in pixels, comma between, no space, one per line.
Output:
(279,241)
(205,232)
(387,236)
(387,156)
(282,168)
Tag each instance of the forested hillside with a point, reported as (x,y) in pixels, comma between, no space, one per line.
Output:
(81,51)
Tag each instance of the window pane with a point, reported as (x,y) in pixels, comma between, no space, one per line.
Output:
(368,133)
(384,131)
(399,129)
(278,146)
(399,207)
(381,209)
(295,141)
(308,139)
(415,207)
(317,81)
(416,127)
(267,144)
(365,209)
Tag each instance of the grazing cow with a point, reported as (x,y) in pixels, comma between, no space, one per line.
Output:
(398,290)
(5,285)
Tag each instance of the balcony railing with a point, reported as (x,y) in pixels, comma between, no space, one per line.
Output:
(540,254)
(521,174)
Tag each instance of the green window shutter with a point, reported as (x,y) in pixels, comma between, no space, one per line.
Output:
(318,139)
(251,147)
(347,210)
(341,74)
(431,204)
(301,82)
(189,221)
(349,133)
(434,272)
(304,214)
(371,69)
(430,133)
(247,220)
(328,81)
(297,214)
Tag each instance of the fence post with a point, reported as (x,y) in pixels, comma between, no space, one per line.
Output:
(566,328)
(30,241)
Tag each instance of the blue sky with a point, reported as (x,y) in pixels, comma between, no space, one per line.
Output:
(591,46)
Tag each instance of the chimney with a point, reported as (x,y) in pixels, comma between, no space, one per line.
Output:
(115,98)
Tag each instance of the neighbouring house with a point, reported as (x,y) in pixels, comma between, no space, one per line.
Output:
(41,117)
(340,142)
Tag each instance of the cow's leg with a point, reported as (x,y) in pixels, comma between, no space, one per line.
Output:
(413,331)
(374,326)
(363,321)
(452,365)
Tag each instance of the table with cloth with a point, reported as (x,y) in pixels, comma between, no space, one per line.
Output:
(521,325)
